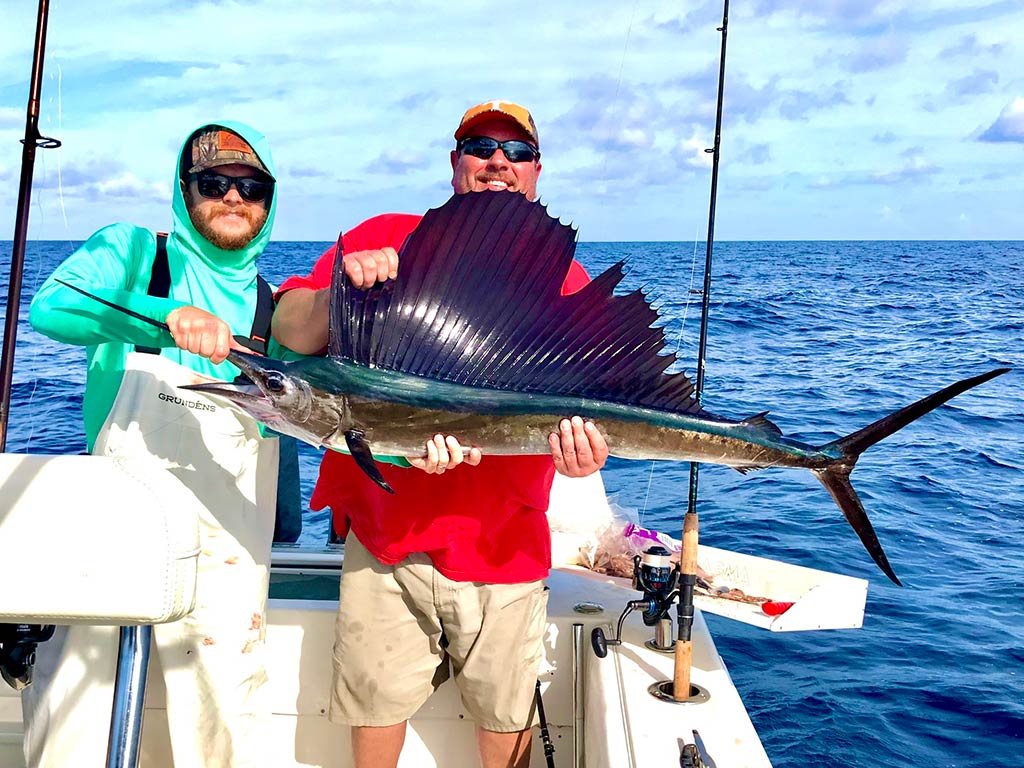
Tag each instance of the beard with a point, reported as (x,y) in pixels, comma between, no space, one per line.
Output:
(204,221)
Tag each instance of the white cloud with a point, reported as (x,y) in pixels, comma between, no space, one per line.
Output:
(11,117)
(359,103)
(691,153)
(880,53)
(128,185)
(397,163)
(914,167)
(1009,126)
(822,182)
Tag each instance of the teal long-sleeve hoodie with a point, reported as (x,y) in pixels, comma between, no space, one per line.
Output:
(116,264)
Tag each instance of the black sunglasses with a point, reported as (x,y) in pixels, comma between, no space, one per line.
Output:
(484,146)
(214,185)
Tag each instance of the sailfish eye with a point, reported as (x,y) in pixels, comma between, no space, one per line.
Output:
(275,382)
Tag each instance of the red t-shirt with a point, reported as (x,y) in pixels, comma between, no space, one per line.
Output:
(484,523)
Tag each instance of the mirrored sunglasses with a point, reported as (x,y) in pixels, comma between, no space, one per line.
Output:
(215,185)
(483,147)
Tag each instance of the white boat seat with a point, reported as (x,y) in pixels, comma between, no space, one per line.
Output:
(95,540)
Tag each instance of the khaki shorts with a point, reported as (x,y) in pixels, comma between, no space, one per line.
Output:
(399,627)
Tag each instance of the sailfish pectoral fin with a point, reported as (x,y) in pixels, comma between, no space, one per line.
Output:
(359,447)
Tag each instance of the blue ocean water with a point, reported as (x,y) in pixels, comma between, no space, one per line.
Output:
(828,336)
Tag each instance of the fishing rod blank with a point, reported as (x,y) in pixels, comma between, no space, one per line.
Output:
(32,140)
(681,690)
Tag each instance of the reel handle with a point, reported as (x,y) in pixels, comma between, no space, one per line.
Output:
(600,643)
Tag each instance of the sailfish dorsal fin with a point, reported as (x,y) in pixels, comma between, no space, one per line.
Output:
(478,302)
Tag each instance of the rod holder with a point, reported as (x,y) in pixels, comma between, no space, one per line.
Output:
(664,637)
(665,691)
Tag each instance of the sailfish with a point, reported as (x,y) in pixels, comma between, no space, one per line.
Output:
(473,339)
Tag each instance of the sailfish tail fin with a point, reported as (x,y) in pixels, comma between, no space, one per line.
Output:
(853,445)
(836,479)
(836,476)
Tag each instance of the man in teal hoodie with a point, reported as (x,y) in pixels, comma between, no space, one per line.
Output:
(202,281)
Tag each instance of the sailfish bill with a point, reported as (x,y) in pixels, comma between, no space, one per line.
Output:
(473,339)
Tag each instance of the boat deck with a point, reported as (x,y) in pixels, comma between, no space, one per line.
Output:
(621,724)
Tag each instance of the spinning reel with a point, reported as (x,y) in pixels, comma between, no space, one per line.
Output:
(658,579)
(18,651)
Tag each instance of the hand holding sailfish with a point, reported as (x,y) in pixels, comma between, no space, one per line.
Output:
(485,348)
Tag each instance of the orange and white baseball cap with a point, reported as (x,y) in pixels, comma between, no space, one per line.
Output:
(491,110)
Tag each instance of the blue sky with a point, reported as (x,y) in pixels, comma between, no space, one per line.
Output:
(844,119)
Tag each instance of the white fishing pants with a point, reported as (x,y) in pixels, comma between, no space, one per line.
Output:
(213,659)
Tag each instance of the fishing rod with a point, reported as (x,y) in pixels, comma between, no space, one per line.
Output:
(18,641)
(681,689)
(32,140)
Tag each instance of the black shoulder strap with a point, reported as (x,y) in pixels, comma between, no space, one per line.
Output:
(260,333)
(160,278)
(160,286)
(159,281)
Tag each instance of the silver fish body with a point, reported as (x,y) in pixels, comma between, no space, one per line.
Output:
(319,400)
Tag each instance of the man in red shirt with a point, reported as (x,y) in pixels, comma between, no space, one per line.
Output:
(449,569)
